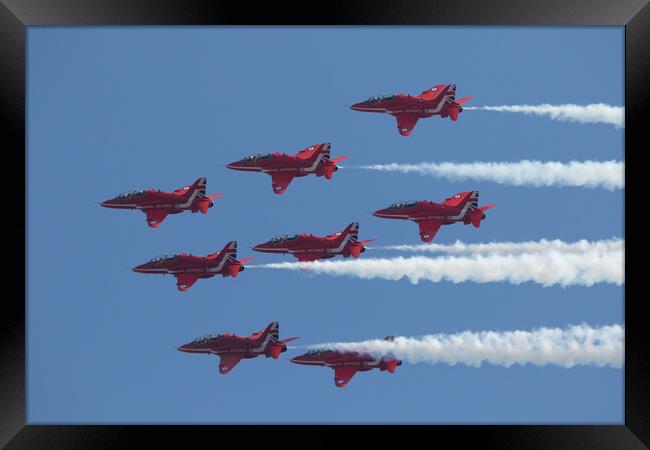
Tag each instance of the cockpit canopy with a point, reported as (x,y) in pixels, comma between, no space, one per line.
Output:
(206,338)
(319,351)
(130,194)
(282,238)
(379,98)
(402,205)
(162,258)
(255,157)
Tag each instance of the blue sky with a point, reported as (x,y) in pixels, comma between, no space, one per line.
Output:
(115,109)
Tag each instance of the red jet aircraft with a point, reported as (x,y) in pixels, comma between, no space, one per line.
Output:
(307,247)
(157,204)
(346,364)
(232,348)
(188,269)
(462,207)
(283,168)
(439,100)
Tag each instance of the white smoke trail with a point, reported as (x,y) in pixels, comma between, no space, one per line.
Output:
(592,113)
(592,174)
(575,345)
(543,245)
(547,268)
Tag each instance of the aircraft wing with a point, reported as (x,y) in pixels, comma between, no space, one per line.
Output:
(405,123)
(228,362)
(155,217)
(428,229)
(184,281)
(343,375)
(281,181)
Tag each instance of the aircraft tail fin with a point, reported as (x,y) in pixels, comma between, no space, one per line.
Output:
(272,329)
(197,193)
(200,185)
(325,149)
(450,92)
(229,252)
(351,230)
(187,191)
(354,246)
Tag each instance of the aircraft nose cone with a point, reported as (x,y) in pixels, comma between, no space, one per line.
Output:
(183,348)
(139,268)
(262,248)
(356,106)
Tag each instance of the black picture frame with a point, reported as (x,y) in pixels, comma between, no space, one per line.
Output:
(16,15)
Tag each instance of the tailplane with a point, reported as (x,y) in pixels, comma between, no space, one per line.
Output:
(197,194)
(454,108)
(478,214)
(275,345)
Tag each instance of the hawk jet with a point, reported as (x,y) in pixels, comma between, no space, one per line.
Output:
(440,100)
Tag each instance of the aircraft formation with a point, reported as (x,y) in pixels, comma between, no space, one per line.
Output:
(283,168)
